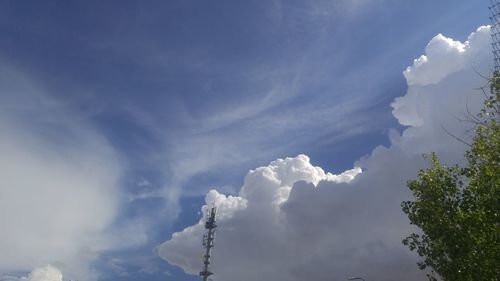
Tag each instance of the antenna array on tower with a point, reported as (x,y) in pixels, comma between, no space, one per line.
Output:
(208,242)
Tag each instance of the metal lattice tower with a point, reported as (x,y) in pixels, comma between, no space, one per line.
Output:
(495,31)
(208,242)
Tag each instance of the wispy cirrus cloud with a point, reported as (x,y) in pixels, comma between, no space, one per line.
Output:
(60,183)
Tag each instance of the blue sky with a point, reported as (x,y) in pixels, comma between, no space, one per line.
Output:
(189,95)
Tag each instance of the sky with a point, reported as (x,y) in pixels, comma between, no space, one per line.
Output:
(121,120)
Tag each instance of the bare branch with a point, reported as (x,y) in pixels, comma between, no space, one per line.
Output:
(474,120)
(455,137)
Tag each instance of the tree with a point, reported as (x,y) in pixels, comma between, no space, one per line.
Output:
(458,208)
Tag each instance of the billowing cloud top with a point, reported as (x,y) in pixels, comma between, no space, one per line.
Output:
(443,58)
(264,191)
(293,221)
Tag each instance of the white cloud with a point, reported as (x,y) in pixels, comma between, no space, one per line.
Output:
(444,56)
(47,273)
(435,89)
(257,205)
(43,273)
(59,183)
(293,221)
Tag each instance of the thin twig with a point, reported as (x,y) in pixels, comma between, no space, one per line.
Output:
(455,137)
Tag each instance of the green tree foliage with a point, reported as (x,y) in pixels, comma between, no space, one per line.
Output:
(458,208)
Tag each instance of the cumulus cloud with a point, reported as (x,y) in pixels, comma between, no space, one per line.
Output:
(43,273)
(47,273)
(444,56)
(59,180)
(436,80)
(293,221)
(264,191)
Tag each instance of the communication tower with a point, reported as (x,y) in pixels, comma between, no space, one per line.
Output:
(208,242)
(495,31)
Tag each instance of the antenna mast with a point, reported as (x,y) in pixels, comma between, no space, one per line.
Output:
(495,31)
(208,242)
